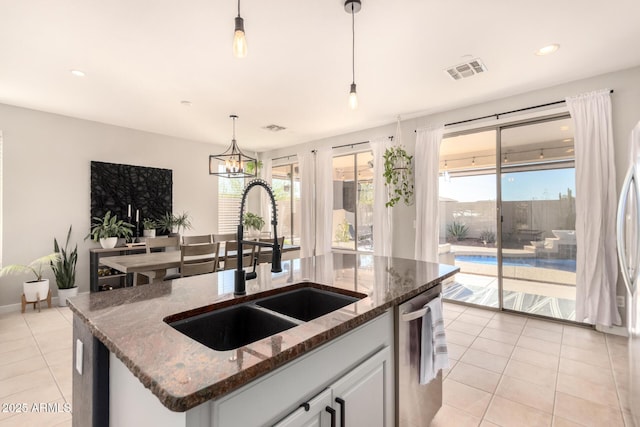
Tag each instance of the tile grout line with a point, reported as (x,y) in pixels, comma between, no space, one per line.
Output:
(55,380)
(615,380)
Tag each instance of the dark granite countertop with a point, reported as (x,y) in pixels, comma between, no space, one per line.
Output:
(183,373)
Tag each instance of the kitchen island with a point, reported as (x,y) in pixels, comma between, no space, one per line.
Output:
(124,336)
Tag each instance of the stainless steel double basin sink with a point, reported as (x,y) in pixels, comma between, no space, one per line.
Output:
(237,325)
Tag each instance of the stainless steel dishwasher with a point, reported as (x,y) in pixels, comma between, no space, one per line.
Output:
(416,404)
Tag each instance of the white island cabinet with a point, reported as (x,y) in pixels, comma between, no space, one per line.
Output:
(356,368)
(360,398)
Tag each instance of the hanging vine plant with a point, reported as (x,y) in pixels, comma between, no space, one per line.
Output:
(398,175)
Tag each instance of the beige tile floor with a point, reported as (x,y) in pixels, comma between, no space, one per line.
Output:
(509,370)
(506,370)
(35,368)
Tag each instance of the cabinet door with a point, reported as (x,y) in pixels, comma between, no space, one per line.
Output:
(364,397)
(315,416)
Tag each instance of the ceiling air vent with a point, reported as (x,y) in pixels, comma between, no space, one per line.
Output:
(274,128)
(468,69)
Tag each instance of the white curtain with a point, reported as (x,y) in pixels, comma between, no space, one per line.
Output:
(382,215)
(596,262)
(265,174)
(307,213)
(426,159)
(324,200)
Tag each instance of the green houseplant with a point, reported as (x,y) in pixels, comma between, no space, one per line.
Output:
(251,168)
(107,229)
(149,227)
(34,290)
(177,223)
(398,175)
(253,222)
(64,270)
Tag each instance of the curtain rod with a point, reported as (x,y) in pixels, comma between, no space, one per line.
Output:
(356,143)
(333,148)
(497,115)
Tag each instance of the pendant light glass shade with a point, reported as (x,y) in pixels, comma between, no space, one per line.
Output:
(239,39)
(353,97)
(234,160)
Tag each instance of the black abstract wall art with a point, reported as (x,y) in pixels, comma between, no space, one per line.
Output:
(124,189)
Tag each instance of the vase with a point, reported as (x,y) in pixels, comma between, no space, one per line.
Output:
(108,242)
(149,233)
(63,294)
(36,290)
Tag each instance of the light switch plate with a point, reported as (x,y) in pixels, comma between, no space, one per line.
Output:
(79,354)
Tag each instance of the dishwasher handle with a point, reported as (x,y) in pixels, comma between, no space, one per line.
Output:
(413,315)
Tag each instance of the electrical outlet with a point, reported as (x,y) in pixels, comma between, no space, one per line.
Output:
(79,354)
(620,300)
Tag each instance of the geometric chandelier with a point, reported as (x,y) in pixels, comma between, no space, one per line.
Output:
(234,160)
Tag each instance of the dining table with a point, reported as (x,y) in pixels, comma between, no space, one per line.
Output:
(155,264)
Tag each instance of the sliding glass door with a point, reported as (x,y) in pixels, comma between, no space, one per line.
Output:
(468,217)
(507,217)
(538,243)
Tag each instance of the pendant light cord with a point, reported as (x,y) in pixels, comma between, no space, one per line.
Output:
(238,7)
(353,45)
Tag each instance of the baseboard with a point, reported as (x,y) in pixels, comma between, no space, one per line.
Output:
(613,330)
(12,308)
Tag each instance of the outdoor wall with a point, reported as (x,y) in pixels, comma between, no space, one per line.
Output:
(46,188)
(480,216)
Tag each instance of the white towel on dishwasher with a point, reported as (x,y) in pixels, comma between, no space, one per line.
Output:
(433,344)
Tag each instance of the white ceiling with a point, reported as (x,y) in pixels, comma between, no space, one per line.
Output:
(143,57)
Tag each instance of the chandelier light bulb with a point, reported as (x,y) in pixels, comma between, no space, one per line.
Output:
(541,154)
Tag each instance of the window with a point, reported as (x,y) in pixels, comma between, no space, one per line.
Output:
(353,202)
(285,181)
(229,198)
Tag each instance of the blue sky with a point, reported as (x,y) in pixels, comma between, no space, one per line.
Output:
(534,185)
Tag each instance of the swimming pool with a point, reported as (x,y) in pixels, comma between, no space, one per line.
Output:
(551,263)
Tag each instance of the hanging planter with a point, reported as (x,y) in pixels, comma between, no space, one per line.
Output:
(398,175)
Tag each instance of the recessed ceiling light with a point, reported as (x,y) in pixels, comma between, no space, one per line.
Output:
(547,49)
(564,128)
(185,103)
(567,140)
(78,73)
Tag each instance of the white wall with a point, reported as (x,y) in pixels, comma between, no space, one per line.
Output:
(626,113)
(46,160)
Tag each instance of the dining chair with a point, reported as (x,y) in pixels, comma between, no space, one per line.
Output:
(224,237)
(265,256)
(200,258)
(158,243)
(231,262)
(190,240)
(170,242)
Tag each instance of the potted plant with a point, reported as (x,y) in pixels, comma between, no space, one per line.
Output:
(252,168)
(149,227)
(106,230)
(398,175)
(34,290)
(64,269)
(253,223)
(175,223)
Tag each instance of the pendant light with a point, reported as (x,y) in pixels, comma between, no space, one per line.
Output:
(234,159)
(353,7)
(239,40)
